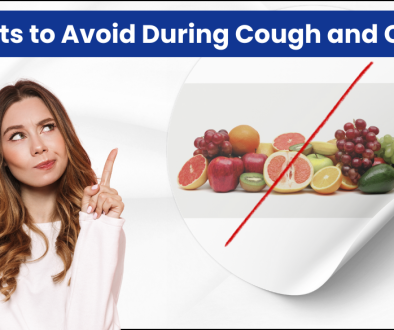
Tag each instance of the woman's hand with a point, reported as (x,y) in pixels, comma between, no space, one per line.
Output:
(102,199)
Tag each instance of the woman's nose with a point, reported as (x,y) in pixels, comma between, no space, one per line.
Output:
(38,146)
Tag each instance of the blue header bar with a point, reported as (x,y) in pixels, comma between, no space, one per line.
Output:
(196,33)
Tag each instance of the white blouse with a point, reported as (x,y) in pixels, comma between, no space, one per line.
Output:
(89,303)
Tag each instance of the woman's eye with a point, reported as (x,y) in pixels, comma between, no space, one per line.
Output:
(48,128)
(17,136)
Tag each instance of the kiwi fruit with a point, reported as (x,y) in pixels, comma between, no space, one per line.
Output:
(252,182)
(297,148)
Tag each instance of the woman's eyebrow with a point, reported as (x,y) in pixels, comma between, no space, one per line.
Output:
(42,122)
(13,127)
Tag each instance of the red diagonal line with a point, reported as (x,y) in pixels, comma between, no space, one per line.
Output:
(299,152)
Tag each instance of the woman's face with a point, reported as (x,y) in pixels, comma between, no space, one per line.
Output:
(33,147)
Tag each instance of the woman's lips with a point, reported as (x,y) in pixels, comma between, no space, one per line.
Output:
(47,165)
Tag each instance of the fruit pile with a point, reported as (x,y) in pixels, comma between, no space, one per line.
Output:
(347,162)
(213,144)
(357,145)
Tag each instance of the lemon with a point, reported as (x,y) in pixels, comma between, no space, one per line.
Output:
(266,149)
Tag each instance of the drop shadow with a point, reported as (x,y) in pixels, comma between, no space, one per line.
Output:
(365,272)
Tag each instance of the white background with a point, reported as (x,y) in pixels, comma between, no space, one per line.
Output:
(169,280)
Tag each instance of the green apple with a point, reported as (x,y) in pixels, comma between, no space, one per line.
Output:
(319,162)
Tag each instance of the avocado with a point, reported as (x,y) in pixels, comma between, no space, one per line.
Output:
(297,148)
(252,181)
(378,179)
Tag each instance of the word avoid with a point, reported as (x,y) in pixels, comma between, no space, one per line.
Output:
(102,35)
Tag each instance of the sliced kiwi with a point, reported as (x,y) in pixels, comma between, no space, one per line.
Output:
(297,148)
(252,181)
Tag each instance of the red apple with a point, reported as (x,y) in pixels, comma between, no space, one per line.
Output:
(239,165)
(378,161)
(224,173)
(254,163)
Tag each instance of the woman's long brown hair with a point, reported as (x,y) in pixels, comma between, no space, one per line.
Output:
(15,243)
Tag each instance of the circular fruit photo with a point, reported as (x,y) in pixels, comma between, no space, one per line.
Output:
(239,148)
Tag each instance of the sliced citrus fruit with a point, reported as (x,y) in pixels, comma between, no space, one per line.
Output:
(327,180)
(347,184)
(194,173)
(286,140)
(296,178)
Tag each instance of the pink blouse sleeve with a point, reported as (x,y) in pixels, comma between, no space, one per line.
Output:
(96,274)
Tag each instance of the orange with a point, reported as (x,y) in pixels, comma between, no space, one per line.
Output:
(244,139)
(327,180)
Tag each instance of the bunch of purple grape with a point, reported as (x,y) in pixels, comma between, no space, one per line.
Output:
(213,144)
(356,144)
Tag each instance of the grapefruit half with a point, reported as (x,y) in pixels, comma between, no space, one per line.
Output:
(286,140)
(296,178)
(194,173)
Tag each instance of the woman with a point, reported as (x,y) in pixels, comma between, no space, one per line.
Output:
(61,238)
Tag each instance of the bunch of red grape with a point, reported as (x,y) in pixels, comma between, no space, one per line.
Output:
(213,144)
(356,145)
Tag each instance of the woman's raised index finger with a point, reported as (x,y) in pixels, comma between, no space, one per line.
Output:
(109,164)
